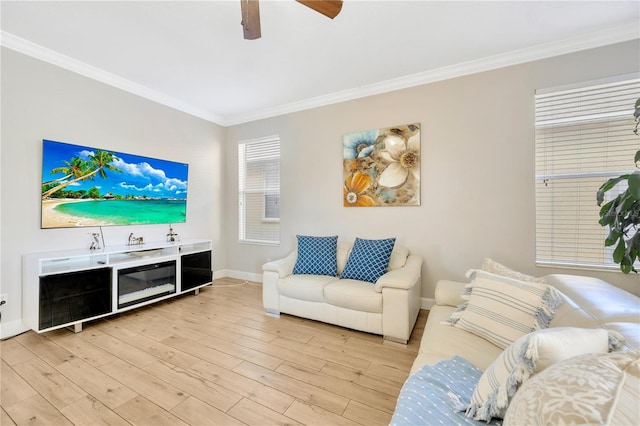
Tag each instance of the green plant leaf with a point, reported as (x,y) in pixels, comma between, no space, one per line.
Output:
(634,184)
(625,266)
(607,212)
(608,185)
(637,157)
(619,252)
(612,238)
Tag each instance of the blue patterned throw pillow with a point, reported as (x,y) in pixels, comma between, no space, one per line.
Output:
(368,259)
(317,256)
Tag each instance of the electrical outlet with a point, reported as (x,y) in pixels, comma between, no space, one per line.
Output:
(3,298)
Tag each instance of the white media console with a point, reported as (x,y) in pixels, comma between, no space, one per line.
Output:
(68,288)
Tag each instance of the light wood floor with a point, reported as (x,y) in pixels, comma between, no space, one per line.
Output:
(214,358)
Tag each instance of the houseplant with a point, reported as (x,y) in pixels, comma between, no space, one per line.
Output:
(622,214)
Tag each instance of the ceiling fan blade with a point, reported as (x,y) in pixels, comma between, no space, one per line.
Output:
(329,8)
(250,19)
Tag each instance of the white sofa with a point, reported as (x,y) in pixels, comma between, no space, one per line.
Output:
(389,307)
(586,303)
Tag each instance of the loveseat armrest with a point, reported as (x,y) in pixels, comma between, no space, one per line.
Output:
(449,293)
(283,267)
(402,278)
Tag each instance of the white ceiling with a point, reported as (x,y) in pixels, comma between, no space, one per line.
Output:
(191,55)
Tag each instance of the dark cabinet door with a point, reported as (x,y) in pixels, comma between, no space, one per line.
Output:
(74,296)
(196,270)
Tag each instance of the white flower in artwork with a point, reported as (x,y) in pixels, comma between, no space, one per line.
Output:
(403,158)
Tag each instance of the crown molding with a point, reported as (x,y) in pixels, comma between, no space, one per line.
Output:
(604,37)
(607,36)
(28,48)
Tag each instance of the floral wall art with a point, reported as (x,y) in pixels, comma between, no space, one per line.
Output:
(382,167)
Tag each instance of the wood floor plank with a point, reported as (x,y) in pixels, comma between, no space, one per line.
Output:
(366,415)
(331,353)
(89,411)
(303,391)
(5,419)
(44,348)
(214,358)
(195,412)
(12,352)
(310,414)
(278,328)
(148,345)
(242,352)
(283,353)
(36,411)
(338,386)
(363,378)
(87,352)
(140,411)
(200,322)
(390,373)
(248,388)
(49,383)
(154,388)
(194,384)
(13,388)
(254,414)
(216,325)
(202,352)
(109,391)
(119,348)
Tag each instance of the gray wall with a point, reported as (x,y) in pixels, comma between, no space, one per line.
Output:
(477,168)
(41,101)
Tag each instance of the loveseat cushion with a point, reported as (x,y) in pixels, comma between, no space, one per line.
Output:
(304,287)
(317,255)
(441,342)
(353,294)
(368,259)
(398,257)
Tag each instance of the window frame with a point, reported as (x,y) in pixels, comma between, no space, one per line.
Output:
(582,123)
(263,163)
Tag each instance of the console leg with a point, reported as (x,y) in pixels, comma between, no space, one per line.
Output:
(196,292)
(77,328)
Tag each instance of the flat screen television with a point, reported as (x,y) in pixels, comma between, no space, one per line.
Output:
(84,186)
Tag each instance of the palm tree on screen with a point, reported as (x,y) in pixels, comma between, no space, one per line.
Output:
(98,164)
(75,168)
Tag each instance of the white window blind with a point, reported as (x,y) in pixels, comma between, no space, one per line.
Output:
(584,136)
(259,191)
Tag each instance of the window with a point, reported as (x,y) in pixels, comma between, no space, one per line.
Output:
(259,191)
(584,136)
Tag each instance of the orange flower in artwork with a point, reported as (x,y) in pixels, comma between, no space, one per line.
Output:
(354,188)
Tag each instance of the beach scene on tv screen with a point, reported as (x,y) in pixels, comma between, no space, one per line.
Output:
(84,186)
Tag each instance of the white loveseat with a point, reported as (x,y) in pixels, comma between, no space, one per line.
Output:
(388,307)
(586,303)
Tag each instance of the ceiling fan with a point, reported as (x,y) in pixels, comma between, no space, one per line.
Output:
(251,14)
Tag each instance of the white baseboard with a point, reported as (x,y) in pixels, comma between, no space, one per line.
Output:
(239,275)
(12,328)
(427,303)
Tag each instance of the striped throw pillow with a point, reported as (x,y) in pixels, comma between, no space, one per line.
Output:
(501,309)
